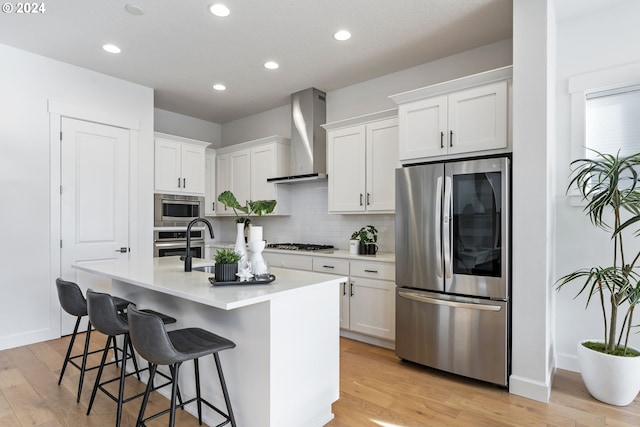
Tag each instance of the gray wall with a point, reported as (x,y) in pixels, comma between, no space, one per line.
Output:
(187,127)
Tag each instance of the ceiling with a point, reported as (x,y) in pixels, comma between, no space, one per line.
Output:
(180,50)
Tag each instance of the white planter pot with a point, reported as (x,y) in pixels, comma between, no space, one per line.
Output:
(241,247)
(611,379)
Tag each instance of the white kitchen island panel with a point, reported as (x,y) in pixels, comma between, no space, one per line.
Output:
(284,370)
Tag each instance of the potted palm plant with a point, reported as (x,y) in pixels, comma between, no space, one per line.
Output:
(226,265)
(609,185)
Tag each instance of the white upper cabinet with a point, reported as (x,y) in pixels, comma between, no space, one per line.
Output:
(210,183)
(179,165)
(468,115)
(244,168)
(361,160)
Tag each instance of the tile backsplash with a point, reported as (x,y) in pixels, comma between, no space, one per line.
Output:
(309,222)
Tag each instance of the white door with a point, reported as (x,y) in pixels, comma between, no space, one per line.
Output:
(264,162)
(423,128)
(94,200)
(168,166)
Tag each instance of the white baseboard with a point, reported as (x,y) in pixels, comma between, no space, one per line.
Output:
(531,389)
(391,345)
(568,362)
(32,337)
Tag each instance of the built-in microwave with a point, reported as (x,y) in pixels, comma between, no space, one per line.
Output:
(172,210)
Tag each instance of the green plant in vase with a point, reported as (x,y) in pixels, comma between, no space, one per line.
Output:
(226,265)
(368,237)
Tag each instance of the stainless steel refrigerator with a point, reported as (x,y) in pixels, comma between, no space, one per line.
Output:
(452,267)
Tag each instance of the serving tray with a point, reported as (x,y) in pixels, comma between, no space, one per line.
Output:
(237,282)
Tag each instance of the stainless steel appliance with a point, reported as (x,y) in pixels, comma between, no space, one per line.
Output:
(176,210)
(173,242)
(452,267)
(308,138)
(299,247)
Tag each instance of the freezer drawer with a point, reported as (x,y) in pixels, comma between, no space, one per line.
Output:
(465,336)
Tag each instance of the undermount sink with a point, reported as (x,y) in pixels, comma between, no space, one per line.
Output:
(205,268)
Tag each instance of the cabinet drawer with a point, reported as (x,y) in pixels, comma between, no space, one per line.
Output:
(298,262)
(329,265)
(374,270)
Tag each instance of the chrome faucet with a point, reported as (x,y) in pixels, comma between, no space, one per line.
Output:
(187,257)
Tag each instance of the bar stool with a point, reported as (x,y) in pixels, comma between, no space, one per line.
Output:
(106,318)
(159,347)
(73,302)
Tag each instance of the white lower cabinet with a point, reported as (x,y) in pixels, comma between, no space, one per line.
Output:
(367,299)
(372,305)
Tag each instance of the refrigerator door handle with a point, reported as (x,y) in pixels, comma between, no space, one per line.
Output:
(446,224)
(438,224)
(421,298)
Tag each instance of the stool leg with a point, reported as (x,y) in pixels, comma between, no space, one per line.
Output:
(66,358)
(224,390)
(174,392)
(123,376)
(179,394)
(134,360)
(147,392)
(84,361)
(198,398)
(97,383)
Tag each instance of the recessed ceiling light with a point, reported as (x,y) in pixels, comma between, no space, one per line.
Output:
(219,9)
(271,65)
(111,48)
(219,86)
(134,9)
(342,35)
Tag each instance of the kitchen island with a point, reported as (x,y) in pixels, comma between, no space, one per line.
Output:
(284,370)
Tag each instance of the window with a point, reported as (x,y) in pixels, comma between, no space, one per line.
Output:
(612,121)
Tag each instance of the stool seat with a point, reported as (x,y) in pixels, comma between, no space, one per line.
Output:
(159,347)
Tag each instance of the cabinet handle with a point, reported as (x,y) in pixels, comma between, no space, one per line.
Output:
(344,288)
(371,271)
(361,199)
(213,206)
(441,139)
(178,182)
(351,289)
(184,182)
(450,138)
(368,199)
(328,266)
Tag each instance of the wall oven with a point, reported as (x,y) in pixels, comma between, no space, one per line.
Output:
(172,210)
(174,243)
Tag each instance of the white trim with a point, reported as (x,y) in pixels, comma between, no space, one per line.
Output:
(360,120)
(536,390)
(503,73)
(177,138)
(579,86)
(54,215)
(92,115)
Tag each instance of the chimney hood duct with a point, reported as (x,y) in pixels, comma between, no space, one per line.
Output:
(308,138)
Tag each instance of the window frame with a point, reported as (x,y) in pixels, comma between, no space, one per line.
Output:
(579,87)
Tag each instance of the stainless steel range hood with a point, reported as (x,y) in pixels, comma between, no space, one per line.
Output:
(308,138)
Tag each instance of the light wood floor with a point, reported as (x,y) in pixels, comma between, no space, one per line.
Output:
(376,389)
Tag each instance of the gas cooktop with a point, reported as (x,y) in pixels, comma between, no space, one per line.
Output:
(299,246)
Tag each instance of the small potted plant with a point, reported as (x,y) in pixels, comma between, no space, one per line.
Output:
(226,265)
(368,237)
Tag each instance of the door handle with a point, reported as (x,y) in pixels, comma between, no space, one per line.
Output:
(122,250)
(360,199)
(370,271)
(421,298)
(184,182)
(351,289)
(344,288)
(450,138)
(328,266)
(178,182)
(441,139)
(368,199)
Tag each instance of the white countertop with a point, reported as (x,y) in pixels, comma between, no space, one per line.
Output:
(334,253)
(167,275)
